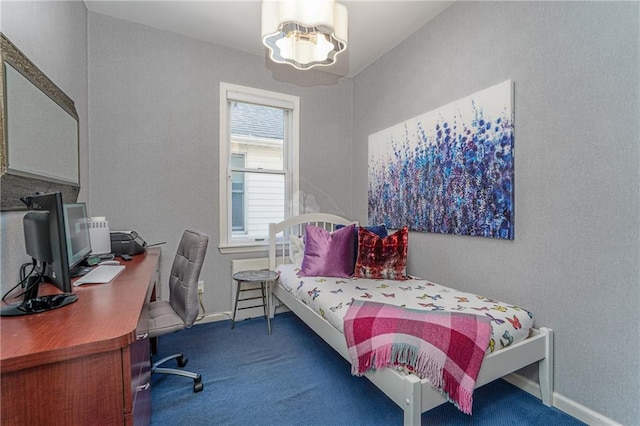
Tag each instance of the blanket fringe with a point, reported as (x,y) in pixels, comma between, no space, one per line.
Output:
(459,396)
(419,363)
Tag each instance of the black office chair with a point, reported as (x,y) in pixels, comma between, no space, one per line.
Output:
(181,310)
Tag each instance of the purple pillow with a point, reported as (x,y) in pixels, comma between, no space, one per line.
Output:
(328,254)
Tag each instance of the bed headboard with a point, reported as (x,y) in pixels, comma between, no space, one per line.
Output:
(279,233)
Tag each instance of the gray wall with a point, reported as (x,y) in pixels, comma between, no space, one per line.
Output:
(154,114)
(574,260)
(53,35)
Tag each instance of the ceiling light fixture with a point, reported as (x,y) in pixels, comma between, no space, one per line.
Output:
(304,33)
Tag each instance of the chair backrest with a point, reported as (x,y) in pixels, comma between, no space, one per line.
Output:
(185,271)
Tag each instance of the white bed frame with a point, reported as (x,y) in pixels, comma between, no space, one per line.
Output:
(412,394)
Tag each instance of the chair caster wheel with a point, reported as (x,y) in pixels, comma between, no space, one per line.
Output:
(182,361)
(198,385)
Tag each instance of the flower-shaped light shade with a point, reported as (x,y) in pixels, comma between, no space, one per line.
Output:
(304,33)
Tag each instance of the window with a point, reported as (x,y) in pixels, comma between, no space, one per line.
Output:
(258,164)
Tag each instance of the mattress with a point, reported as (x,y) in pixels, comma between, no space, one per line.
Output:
(330,297)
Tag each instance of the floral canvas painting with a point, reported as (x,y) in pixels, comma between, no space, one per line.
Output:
(449,170)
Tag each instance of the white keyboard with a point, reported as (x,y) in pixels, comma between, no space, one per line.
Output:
(100,274)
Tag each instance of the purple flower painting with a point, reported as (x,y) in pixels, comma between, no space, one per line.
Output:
(448,171)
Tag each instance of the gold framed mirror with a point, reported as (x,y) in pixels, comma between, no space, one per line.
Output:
(39,133)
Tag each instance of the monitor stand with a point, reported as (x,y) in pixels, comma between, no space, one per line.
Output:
(34,304)
(80,271)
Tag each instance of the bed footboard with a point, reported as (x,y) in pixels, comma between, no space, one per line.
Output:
(545,368)
(413,395)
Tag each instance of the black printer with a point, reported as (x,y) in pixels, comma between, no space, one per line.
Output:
(127,242)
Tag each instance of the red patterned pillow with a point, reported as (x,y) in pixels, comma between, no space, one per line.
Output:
(382,258)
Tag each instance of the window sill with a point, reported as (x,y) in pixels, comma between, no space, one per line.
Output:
(243,248)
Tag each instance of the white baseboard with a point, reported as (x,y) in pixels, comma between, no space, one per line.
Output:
(227,315)
(215,316)
(562,403)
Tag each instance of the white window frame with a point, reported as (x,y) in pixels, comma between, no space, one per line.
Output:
(232,92)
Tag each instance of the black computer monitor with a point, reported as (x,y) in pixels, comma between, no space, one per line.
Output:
(46,243)
(76,226)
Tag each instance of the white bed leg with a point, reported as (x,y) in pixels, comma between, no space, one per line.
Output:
(412,400)
(545,369)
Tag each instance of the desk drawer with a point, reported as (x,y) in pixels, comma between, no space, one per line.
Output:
(140,353)
(141,380)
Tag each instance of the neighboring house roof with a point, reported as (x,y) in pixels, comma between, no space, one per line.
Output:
(257,121)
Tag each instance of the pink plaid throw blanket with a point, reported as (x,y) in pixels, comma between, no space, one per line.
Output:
(444,347)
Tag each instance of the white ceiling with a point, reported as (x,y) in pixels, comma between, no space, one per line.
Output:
(375,26)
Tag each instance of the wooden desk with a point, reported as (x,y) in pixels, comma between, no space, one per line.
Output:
(86,363)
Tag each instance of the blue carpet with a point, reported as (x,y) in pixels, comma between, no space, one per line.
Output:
(294,378)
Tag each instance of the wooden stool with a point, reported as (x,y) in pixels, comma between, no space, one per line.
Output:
(264,278)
